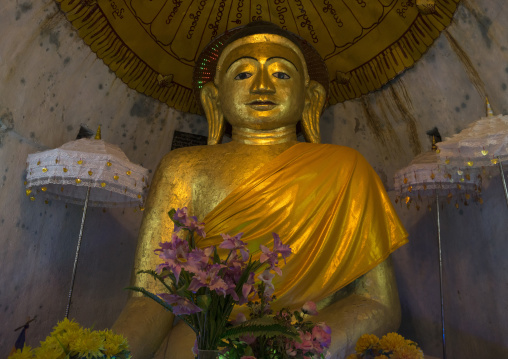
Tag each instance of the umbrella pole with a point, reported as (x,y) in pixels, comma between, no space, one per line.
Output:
(77,252)
(441,276)
(504,181)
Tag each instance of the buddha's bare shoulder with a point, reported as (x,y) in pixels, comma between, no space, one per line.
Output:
(191,156)
(231,153)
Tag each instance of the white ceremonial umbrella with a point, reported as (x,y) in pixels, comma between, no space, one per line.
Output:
(483,143)
(88,172)
(426,177)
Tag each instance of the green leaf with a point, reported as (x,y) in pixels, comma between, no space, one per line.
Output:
(216,257)
(151,296)
(261,327)
(158,277)
(204,301)
(172,213)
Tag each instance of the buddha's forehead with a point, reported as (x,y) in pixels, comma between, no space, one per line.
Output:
(262,47)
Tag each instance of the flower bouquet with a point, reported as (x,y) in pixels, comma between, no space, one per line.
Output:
(202,288)
(390,346)
(69,340)
(313,338)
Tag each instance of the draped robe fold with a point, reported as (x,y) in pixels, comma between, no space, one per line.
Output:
(328,204)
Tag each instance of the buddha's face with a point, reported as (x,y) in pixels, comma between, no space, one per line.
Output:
(262,86)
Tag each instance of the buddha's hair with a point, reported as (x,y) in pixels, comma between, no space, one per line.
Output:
(206,65)
(263,27)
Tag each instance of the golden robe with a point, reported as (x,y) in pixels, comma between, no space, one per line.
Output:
(328,204)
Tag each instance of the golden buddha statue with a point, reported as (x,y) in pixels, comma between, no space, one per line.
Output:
(323,200)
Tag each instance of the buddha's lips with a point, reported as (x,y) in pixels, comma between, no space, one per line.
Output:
(259,102)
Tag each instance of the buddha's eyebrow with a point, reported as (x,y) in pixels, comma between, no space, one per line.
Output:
(253,58)
(238,59)
(283,58)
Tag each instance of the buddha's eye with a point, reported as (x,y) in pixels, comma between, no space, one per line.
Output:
(281,75)
(243,76)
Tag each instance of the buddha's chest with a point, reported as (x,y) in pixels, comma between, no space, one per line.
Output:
(215,180)
(215,177)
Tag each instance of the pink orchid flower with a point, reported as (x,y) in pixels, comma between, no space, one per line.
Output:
(291,350)
(322,334)
(306,344)
(310,308)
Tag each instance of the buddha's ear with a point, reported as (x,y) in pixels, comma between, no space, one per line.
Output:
(213,112)
(314,102)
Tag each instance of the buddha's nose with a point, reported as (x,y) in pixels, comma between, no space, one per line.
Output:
(263,83)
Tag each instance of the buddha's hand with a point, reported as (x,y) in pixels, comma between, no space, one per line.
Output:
(145,324)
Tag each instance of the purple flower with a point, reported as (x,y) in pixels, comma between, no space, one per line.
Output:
(283,249)
(175,255)
(198,259)
(181,215)
(195,349)
(247,288)
(232,274)
(191,223)
(272,257)
(198,227)
(209,278)
(181,305)
(234,244)
(249,339)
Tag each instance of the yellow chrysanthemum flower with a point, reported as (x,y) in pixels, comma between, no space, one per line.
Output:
(391,341)
(89,344)
(352,356)
(407,352)
(113,344)
(50,348)
(65,325)
(366,341)
(25,353)
(66,338)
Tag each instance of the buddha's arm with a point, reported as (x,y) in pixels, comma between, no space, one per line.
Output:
(144,322)
(372,308)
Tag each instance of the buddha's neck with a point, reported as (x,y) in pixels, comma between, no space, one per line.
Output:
(264,137)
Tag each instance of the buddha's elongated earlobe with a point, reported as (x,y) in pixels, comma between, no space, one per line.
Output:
(213,113)
(314,102)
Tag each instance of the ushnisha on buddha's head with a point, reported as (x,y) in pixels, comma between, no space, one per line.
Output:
(262,83)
